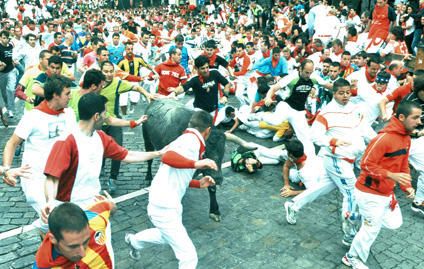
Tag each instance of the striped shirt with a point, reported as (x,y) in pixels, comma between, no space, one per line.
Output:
(99,253)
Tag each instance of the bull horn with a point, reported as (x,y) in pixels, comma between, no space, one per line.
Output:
(235,139)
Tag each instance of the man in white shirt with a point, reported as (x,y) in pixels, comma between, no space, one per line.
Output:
(168,188)
(40,128)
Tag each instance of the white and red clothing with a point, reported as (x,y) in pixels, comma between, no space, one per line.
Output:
(77,161)
(41,128)
(170,75)
(368,97)
(314,177)
(327,28)
(380,24)
(388,152)
(341,122)
(168,188)
(241,64)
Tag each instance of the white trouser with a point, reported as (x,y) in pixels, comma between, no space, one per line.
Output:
(253,126)
(131,96)
(270,156)
(416,158)
(376,212)
(341,172)
(283,112)
(322,187)
(245,92)
(33,189)
(168,229)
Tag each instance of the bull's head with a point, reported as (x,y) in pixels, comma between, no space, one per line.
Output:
(215,148)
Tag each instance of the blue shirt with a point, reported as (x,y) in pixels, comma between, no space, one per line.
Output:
(264,66)
(116,53)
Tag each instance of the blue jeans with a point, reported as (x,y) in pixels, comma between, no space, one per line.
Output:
(7,89)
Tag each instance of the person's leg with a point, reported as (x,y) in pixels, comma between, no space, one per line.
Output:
(416,159)
(270,156)
(10,91)
(134,99)
(298,121)
(373,209)
(116,133)
(123,102)
(280,115)
(169,229)
(341,172)
(311,193)
(416,40)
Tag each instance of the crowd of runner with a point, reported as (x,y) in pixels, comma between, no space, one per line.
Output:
(340,86)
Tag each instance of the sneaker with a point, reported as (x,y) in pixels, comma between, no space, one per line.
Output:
(419,208)
(11,115)
(290,213)
(4,120)
(353,262)
(277,138)
(134,253)
(348,227)
(111,186)
(347,240)
(243,127)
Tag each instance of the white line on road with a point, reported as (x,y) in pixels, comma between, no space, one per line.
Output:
(9,127)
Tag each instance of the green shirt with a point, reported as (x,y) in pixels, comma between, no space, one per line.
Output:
(73,101)
(110,92)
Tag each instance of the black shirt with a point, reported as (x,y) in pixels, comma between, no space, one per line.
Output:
(219,61)
(132,27)
(299,93)
(206,90)
(6,57)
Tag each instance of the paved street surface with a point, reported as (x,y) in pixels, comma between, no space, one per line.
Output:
(253,232)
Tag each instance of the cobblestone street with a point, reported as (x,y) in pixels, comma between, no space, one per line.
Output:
(253,232)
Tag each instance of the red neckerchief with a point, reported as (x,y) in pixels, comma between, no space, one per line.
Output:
(266,54)
(212,59)
(301,159)
(368,76)
(46,109)
(202,145)
(170,32)
(274,62)
(338,53)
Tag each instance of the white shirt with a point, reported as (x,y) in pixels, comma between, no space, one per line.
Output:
(170,184)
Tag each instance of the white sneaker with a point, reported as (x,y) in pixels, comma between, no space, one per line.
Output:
(290,213)
(243,127)
(10,114)
(277,138)
(134,253)
(353,262)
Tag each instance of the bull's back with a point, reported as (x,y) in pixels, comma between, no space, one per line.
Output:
(167,119)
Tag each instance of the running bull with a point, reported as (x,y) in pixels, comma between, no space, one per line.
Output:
(167,119)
